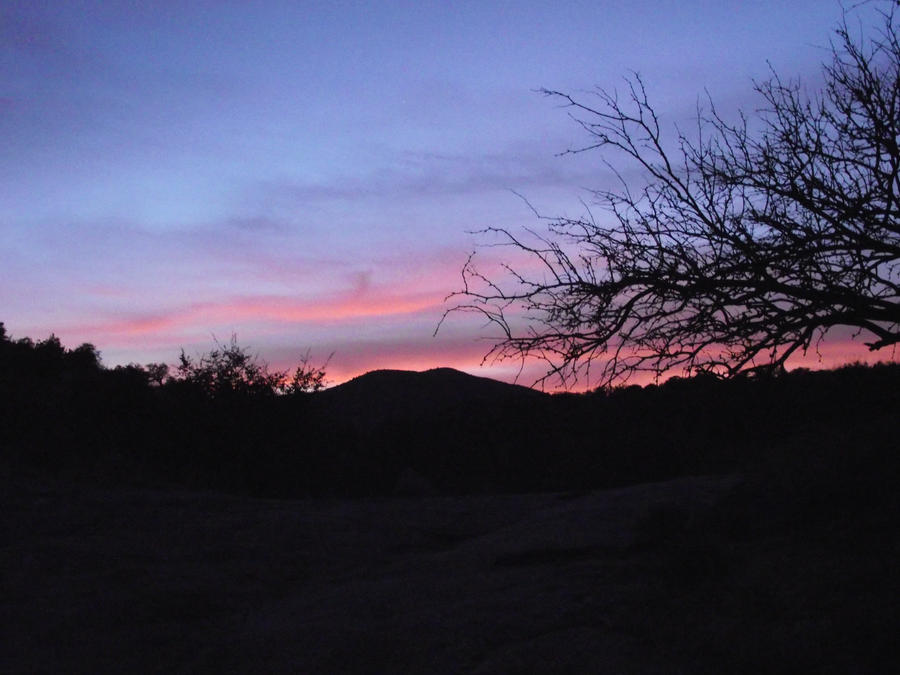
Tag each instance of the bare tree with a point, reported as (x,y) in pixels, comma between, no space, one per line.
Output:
(744,245)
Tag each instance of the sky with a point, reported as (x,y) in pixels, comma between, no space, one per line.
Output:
(308,175)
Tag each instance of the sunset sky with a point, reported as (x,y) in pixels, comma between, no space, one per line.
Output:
(306,174)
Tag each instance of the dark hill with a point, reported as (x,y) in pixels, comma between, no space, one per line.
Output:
(459,431)
(384,394)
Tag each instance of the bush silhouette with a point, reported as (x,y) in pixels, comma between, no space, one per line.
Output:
(230,370)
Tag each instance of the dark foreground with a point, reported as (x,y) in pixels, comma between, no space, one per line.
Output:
(699,574)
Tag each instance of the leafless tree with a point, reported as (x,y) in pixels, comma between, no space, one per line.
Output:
(745,243)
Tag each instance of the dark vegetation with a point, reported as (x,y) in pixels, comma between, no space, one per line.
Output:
(225,422)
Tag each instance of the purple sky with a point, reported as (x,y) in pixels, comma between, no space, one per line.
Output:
(305,173)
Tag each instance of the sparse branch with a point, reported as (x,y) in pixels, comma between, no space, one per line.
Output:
(742,247)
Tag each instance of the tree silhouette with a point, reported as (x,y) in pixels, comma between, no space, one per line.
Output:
(744,245)
(306,377)
(231,370)
(157,373)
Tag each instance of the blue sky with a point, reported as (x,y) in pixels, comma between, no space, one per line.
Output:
(306,174)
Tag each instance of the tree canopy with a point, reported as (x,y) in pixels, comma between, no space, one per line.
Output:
(232,370)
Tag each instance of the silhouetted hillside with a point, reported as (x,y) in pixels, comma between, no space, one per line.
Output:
(401,395)
(63,412)
(439,385)
(458,431)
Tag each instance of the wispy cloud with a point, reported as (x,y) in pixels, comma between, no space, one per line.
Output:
(420,176)
(353,305)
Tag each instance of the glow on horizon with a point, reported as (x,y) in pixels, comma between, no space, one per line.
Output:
(469,359)
(352,358)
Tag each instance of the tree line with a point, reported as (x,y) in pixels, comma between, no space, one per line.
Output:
(64,413)
(211,420)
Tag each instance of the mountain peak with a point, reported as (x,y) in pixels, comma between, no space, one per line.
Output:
(434,377)
(386,391)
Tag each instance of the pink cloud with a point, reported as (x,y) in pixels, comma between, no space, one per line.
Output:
(368,326)
(357,305)
(196,320)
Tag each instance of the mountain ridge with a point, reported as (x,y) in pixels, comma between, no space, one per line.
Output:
(434,378)
(416,409)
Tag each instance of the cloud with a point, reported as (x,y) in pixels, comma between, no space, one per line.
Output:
(423,175)
(359,303)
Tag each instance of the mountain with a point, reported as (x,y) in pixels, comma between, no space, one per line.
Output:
(396,393)
(456,431)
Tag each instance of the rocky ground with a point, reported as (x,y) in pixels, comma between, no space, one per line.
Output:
(135,580)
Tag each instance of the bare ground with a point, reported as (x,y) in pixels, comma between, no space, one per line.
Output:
(140,580)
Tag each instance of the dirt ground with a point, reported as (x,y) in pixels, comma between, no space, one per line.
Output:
(139,580)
